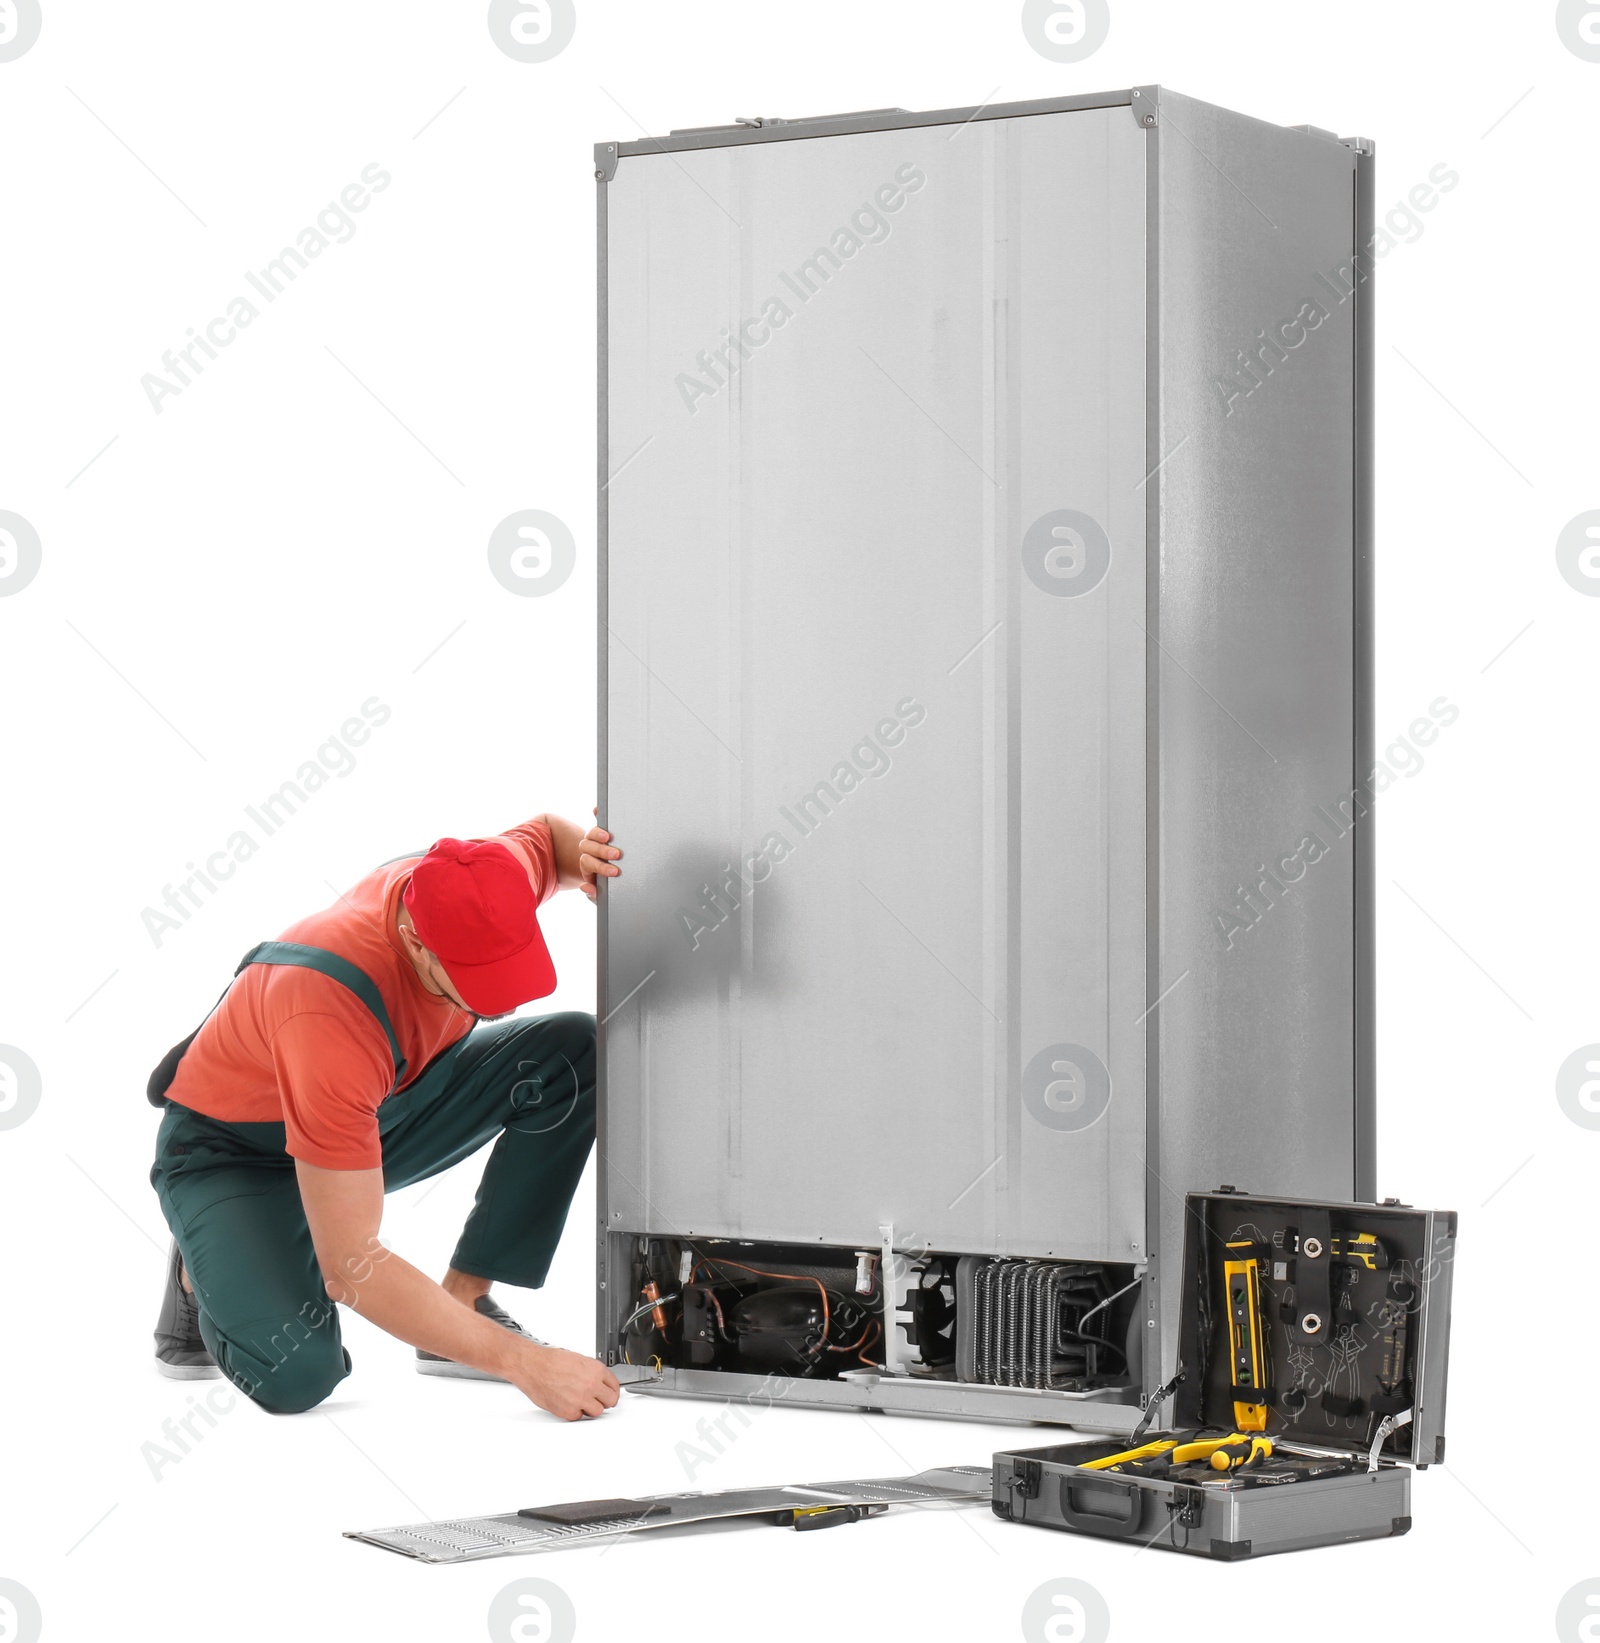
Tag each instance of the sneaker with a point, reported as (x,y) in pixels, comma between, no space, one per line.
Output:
(430,1363)
(180,1353)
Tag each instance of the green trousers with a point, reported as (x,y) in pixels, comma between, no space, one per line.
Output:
(230,1195)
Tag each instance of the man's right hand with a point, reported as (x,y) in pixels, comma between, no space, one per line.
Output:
(344,1209)
(568,1384)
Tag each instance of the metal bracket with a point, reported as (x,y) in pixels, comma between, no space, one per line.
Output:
(1153,1404)
(1386,1428)
(1145,102)
(886,1283)
(1360,145)
(605,162)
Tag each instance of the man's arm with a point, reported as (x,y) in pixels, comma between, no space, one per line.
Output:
(582,856)
(344,1209)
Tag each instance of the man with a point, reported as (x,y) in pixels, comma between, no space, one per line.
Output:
(347,1059)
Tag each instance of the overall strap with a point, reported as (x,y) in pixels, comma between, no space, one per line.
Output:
(337,969)
(167,1069)
(410,855)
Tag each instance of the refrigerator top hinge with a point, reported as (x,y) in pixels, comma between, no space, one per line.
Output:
(1145,102)
(605,162)
(1362,145)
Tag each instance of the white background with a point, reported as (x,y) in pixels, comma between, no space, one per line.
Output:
(229,580)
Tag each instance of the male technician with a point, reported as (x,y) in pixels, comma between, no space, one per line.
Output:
(363,1051)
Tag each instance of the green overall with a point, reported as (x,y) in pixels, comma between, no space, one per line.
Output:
(230,1194)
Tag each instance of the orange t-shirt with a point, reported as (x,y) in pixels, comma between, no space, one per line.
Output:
(297,1048)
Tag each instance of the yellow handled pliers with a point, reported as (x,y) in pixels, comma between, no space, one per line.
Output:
(1226,1454)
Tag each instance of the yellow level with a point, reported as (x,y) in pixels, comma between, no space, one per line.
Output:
(1242,1277)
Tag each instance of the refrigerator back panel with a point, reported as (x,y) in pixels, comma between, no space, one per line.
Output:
(879,774)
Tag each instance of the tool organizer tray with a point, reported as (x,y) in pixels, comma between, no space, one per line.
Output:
(1311,1382)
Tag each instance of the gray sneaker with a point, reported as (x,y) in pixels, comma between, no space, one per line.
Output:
(180,1352)
(430,1363)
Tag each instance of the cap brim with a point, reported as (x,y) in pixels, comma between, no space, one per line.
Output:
(498,988)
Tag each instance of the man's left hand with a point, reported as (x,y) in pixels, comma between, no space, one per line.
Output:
(597,859)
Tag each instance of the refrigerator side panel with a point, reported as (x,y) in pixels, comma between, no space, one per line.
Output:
(1258,663)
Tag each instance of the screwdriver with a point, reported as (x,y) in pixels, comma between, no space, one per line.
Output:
(1232,1454)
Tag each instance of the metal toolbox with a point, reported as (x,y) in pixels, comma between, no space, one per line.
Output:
(1324,1328)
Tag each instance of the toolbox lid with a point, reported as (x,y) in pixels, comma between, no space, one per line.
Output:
(1351,1309)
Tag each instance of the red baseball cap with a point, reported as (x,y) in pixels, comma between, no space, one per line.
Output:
(473,907)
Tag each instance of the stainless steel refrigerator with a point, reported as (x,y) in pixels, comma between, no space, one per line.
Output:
(985,681)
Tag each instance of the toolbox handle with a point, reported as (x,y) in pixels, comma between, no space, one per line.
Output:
(1090,1521)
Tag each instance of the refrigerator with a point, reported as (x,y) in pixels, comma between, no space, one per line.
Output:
(985,666)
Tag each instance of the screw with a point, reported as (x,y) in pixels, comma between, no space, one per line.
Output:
(1149,119)
(599,176)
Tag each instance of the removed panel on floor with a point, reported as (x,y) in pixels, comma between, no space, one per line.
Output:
(463,1539)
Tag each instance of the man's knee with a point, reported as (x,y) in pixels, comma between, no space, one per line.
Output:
(290,1368)
(301,1382)
(574,1031)
(556,1072)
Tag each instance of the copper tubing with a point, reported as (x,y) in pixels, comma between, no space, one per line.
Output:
(658,1314)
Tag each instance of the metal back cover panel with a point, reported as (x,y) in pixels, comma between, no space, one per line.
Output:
(507,1534)
(874,585)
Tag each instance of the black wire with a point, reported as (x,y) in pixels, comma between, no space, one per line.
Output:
(1099,1340)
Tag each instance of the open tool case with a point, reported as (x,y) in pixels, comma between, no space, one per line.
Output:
(1323,1328)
